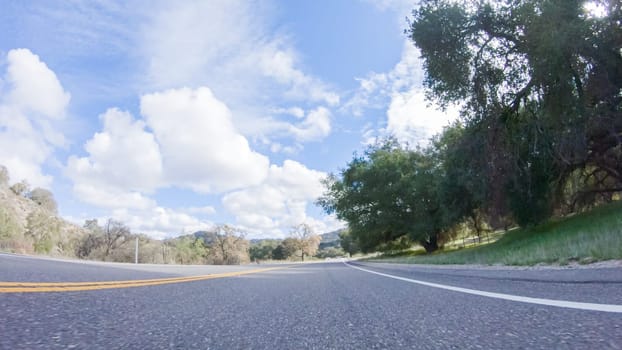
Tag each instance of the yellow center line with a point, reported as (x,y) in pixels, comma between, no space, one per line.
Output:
(34,287)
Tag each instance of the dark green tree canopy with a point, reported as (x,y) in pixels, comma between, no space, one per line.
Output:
(386,194)
(539,83)
(542,82)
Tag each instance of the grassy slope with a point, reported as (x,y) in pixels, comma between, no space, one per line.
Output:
(586,237)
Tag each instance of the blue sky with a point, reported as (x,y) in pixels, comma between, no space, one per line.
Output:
(177,116)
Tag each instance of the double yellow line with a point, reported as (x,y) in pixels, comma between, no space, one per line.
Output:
(41,287)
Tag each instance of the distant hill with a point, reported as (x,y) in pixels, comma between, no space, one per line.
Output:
(327,239)
(208,237)
(330,239)
(330,236)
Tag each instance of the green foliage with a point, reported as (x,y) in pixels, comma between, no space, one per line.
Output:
(348,243)
(582,238)
(397,245)
(263,250)
(524,134)
(438,33)
(279,253)
(190,250)
(44,231)
(386,194)
(301,243)
(539,82)
(330,252)
(88,244)
(9,228)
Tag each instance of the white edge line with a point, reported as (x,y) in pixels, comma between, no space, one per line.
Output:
(521,299)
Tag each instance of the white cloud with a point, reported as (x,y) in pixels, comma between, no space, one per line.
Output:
(186,139)
(192,143)
(201,148)
(315,126)
(279,203)
(294,111)
(277,147)
(374,89)
(207,210)
(413,120)
(280,65)
(122,156)
(33,99)
(229,46)
(232,47)
(410,118)
(159,222)
(35,87)
(401,7)
(109,197)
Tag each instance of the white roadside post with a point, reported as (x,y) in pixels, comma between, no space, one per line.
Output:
(136,252)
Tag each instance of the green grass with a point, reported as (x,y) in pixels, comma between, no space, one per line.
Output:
(582,238)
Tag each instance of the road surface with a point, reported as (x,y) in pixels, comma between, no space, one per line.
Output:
(307,306)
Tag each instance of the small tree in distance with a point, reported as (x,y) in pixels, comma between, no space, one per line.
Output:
(229,246)
(302,242)
(115,234)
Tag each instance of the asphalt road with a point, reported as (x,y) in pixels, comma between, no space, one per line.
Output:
(309,306)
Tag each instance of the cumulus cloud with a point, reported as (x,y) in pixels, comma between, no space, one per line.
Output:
(123,162)
(232,47)
(32,100)
(191,143)
(280,202)
(410,118)
(200,146)
(35,87)
(185,138)
(109,197)
(229,46)
(123,156)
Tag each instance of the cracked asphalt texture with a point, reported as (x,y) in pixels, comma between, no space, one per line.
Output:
(306,306)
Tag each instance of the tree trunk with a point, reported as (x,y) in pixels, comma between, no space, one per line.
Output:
(430,245)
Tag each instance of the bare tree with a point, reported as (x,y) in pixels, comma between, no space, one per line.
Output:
(229,246)
(88,244)
(115,234)
(302,241)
